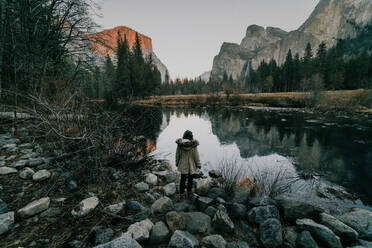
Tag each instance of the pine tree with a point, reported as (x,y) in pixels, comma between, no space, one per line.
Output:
(288,72)
(108,80)
(321,63)
(122,85)
(138,67)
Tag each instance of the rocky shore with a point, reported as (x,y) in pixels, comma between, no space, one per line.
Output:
(43,205)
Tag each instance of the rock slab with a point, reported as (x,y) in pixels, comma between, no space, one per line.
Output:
(34,207)
(6,222)
(85,207)
(182,239)
(361,221)
(271,233)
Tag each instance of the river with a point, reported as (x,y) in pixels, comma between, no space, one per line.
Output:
(335,151)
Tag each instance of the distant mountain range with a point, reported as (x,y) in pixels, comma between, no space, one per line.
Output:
(331,20)
(105,43)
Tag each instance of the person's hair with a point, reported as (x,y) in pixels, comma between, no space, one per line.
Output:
(188,135)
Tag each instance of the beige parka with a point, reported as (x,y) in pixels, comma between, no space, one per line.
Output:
(187,156)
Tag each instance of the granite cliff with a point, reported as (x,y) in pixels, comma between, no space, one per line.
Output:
(331,20)
(105,43)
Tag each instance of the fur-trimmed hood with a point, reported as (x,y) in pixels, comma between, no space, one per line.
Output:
(186,144)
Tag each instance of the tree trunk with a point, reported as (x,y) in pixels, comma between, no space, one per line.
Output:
(2,40)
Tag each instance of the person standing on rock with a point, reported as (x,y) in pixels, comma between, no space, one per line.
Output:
(187,160)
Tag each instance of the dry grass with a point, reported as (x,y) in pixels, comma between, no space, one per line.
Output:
(342,99)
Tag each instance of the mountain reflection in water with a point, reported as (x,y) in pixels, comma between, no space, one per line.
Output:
(339,149)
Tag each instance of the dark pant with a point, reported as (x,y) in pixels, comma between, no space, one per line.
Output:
(183,183)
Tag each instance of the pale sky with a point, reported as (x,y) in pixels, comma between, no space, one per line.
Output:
(187,34)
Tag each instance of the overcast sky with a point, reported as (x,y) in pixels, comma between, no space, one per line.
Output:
(187,34)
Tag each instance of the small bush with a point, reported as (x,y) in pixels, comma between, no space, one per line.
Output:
(232,174)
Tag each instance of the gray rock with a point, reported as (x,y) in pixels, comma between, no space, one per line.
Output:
(222,208)
(2,163)
(197,222)
(19,164)
(7,170)
(241,195)
(142,187)
(159,233)
(3,207)
(237,244)
(321,233)
(149,198)
(35,162)
(260,214)
(215,173)
(202,187)
(294,208)
(365,244)
(170,189)
(210,211)
(123,242)
(236,210)
(182,239)
(71,184)
(85,207)
(271,233)
(6,222)
(26,173)
(203,202)
(360,220)
(346,233)
(115,208)
(216,192)
(214,241)
(222,222)
(135,206)
(162,206)
(175,221)
(151,179)
(140,231)
(11,158)
(102,235)
(305,240)
(41,175)
(261,201)
(181,206)
(34,207)
(144,214)
(290,236)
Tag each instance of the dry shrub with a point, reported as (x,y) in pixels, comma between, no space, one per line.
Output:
(232,173)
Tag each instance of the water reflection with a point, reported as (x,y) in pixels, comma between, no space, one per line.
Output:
(340,149)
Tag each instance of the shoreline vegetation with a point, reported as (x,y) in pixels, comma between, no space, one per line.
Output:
(353,101)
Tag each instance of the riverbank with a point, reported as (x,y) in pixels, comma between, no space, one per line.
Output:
(349,100)
(45,203)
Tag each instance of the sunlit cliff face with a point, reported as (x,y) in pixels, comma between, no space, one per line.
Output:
(105,42)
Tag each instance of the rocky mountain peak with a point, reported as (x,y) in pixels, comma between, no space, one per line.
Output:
(258,37)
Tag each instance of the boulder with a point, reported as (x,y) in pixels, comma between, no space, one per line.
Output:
(203,202)
(237,244)
(222,222)
(270,232)
(216,192)
(3,207)
(6,222)
(181,206)
(210,211)
(162,206)
(142,187)
(41,175)
(115,208)
(346,233)
(294,207)
(35,162)
(85,207)
(361,221)
(140,231)
(123,242)
(182,239)
(26,173)
(202,187)
(135,206)
(159,233)
(151,179)
(290,236)
(175,221)
(215,173)
(197,222)
(260,214)
(34,207)
(214,241)
(101,235)
(19,164)
(144,214)
(305,240)
(236,210)
(149,198)
(7,170)
(321,233)
(241,195)
(170,189)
